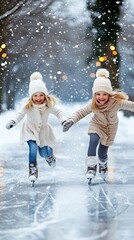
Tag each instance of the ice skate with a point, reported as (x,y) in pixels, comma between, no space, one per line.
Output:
(91,167)
(91,173)
(103,169)
(33,172)
(51,160)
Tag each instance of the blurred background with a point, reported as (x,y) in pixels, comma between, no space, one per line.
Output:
(67,41)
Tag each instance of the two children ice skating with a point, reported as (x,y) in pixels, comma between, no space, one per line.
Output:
(36,130)
(39,136)
(104,104)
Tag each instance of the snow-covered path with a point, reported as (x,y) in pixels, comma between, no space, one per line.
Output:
(62,206)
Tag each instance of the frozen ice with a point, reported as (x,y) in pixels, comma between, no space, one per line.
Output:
(62,206)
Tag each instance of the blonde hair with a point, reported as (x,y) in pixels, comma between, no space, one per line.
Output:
(115,94)
(50,101)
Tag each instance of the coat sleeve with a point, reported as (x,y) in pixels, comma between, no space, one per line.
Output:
(58,113)
(81,113)
(127,105)
(19,116)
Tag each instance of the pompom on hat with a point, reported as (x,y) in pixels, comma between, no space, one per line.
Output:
(102,82)
(36,84)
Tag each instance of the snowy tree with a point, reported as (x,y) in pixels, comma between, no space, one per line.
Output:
(17,29)
(50,36)
(105,32)
(46,36)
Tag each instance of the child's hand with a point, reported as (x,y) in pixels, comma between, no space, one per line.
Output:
(67,125)
(10,124)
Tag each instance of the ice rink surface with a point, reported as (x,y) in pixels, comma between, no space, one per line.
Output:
(62,205)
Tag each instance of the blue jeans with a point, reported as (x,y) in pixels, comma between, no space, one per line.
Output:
(102,150)
(34,148)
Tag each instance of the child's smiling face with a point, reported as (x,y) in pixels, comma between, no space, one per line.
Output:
(101,97)
(38,98)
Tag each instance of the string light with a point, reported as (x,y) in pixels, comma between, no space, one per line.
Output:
(92,75)
(112,47)
(4,55)
(98,64)
(114,52)
(104,58)
(101,59)
(3,45)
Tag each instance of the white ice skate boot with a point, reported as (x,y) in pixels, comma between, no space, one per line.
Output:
(103,169)
(33,172)
(51,160)
(91,163)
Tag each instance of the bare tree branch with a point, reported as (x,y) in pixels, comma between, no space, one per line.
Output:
(19,5)
(13,10)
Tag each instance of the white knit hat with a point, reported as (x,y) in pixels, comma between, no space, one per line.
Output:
(36,84)
(102,82)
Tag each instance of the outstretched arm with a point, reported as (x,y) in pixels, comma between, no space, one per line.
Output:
(16,119)
(58,113)
(127,105)
(78,115)
(81,113)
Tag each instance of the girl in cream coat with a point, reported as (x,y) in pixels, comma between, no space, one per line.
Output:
(36,130)
(103,126)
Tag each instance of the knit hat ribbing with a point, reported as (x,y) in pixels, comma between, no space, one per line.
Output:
(36,84)
(102,82)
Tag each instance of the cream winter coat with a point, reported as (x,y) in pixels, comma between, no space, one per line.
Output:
(105,120)
(36,126)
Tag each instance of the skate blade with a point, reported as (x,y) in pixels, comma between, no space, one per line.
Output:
(89,181)
(103,176)
(89,176)
(52,164)
(32,178)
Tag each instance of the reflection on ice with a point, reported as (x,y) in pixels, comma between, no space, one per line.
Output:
(104,203)
(60,211)
(28,213)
